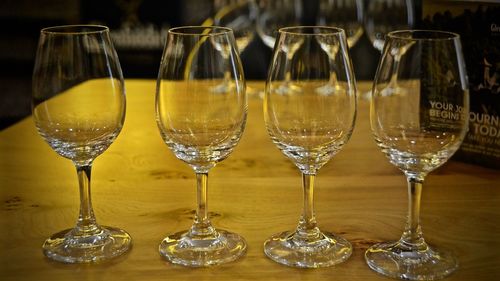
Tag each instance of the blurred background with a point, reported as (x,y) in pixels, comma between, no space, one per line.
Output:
(138,29)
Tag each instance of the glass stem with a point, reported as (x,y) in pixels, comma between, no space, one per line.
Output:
(86,224)
(395,68)
(288,77)
(202,225)
(412,236)
(227,76)
(307,229)
(288,74)
(333,81)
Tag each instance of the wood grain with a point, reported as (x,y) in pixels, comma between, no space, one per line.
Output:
(140,186)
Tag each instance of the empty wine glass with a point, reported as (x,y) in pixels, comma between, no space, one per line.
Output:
(274,14)
(240,16)
(201,125)
(347,15)
(79,108)
(418,129)
(382,17)
(309,127)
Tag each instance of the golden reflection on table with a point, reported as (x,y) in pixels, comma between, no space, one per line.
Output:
(140,186)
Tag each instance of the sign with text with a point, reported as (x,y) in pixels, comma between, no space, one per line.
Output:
(479,27)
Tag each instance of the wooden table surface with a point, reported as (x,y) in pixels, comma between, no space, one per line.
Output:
(140,186)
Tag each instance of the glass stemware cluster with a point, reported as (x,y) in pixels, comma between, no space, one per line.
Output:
(309,110)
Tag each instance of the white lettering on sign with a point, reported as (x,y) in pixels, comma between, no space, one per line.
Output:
(482,118)
(446,110)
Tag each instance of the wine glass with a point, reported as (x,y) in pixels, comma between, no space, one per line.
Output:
(309,128)
(418,129)
(240,16)
(347,15)
(274,14)
(201,125)
(383,16)
(78,107)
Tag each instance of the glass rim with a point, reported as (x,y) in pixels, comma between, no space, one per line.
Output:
(75,29)
(296,30)
(443,35)
(184,30)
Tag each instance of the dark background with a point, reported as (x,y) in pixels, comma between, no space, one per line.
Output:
(23,19)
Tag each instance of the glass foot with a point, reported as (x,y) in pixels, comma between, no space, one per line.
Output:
(69,247)
(196,251)
(288,88)
(289,249)
(396,260)
(224,88)
(329,90)
(393,90)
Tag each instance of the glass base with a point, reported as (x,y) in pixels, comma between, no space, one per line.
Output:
(289,249)
(396,260)
(329,90)
(196,251)
(288,88)
(69,247)
(392,90)
(224,88)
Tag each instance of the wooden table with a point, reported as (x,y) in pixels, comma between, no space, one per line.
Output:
(140,186)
